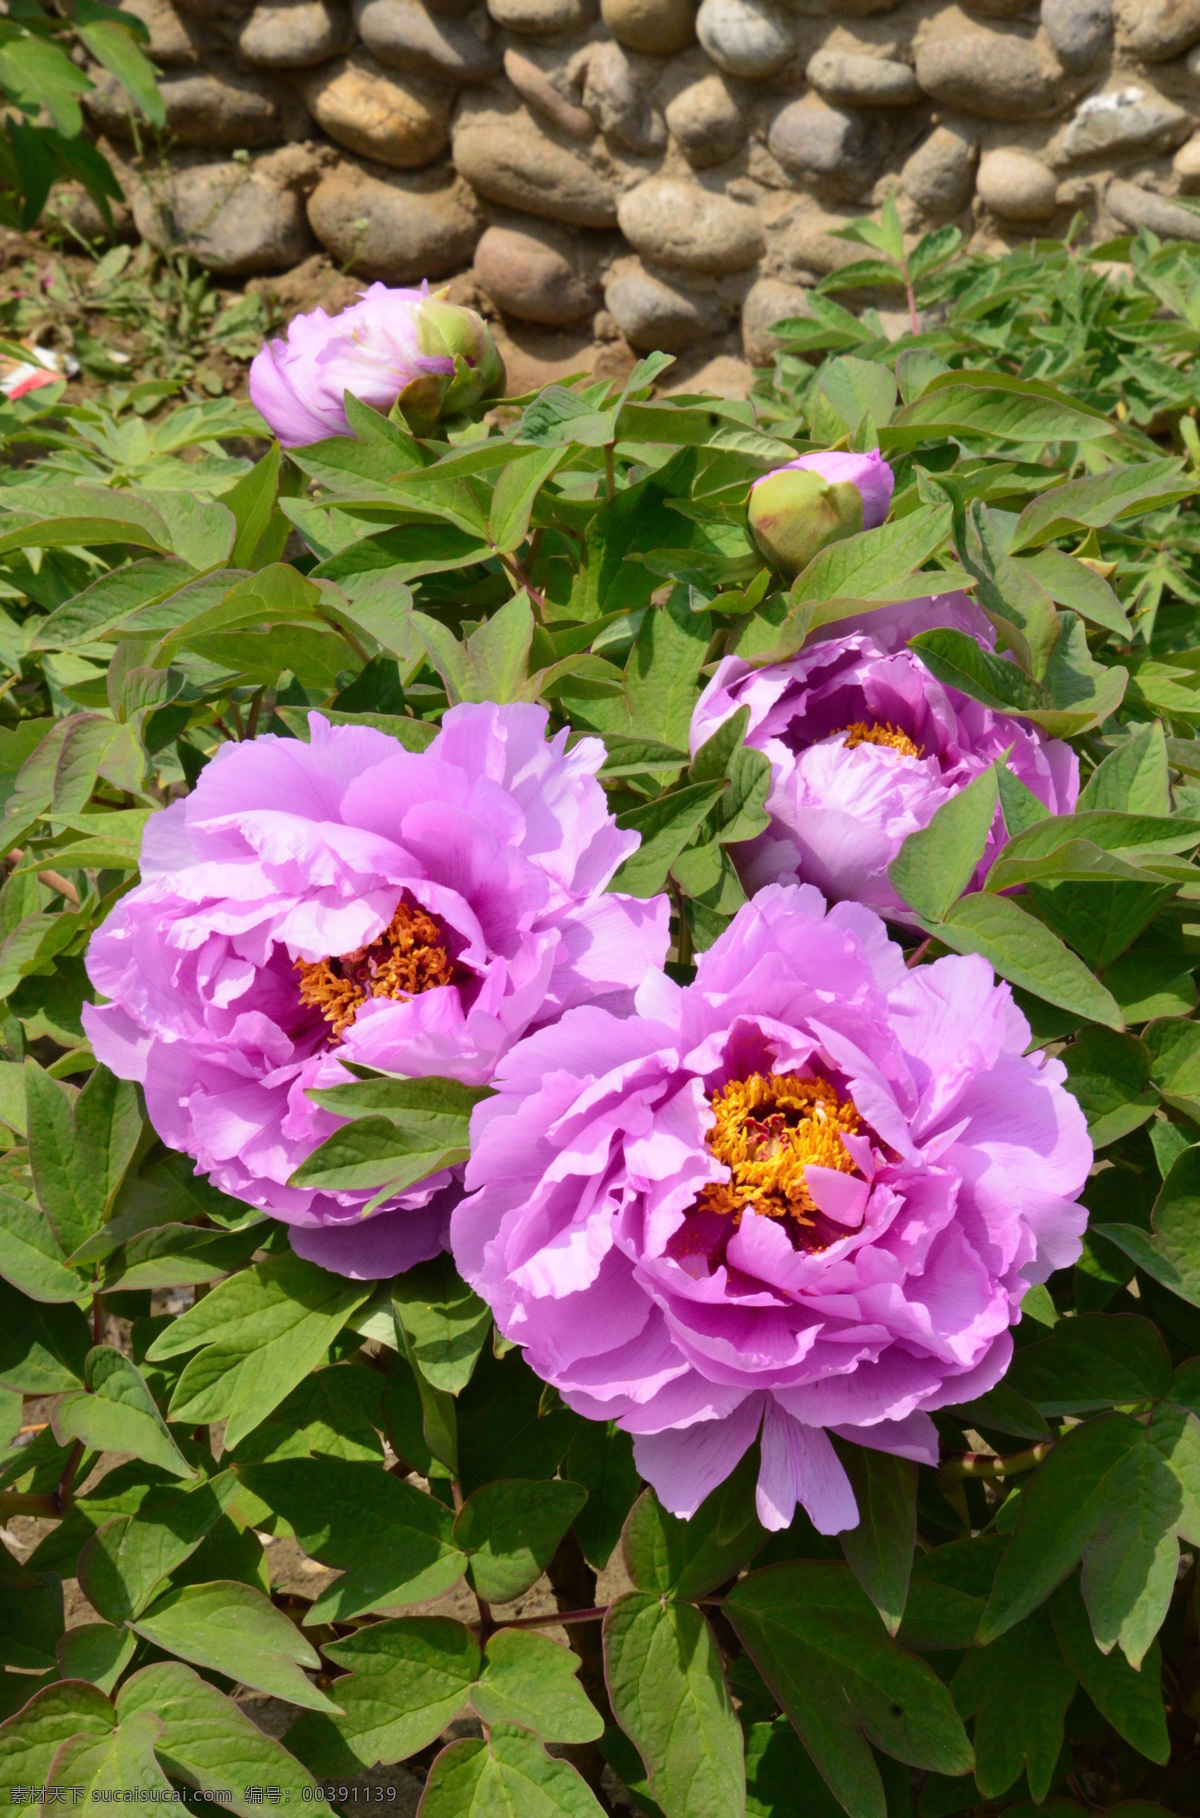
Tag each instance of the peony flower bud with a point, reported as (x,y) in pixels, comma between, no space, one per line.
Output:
(818,499)
(392,348)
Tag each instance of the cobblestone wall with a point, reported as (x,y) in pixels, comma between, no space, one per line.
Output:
(643,169)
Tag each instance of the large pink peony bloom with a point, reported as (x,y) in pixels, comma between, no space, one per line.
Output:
(804,1194)
(351,899)
(865,745)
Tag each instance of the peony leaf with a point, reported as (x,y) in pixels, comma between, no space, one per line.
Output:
(394,1543)
(936,863)
(230,1628)
(129,1558)
(510,1772)
(510,1530)
(1093,1361)
(601,1459)
(1098,500)
(97,1652)
(406,1680)
(1132,779)
(31,1257)
(665,826)
(1170,1254)
(42,1347)
(30,1740)
(1109,1074)
(531,1680)
(1026,953)
(1131,1701)
(668,1691)
(879,1551)
(825,1654)
(211,1744)
(1018,1691)
(116,1413)
(121,1763)
(687,1559)
(445,1323)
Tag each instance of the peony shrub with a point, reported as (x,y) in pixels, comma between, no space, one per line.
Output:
(597,1093)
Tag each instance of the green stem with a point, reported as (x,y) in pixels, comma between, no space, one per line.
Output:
(552,1618)
(610,472)
(20,1502)
(987,1466)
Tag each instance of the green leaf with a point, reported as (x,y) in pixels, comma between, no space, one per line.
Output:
(446,1324)
(781,1781)
(934,865)
(601,1459)
(1132,1701)
(1072,583)
(395,1544)
(821,1647)
(252,502)
(1018,1691)
(115,47)
(406,1679)
(1011,595)
(97,1652)
(665,826)
(116,1413)
(122,1762)
(993,404)
(230,1628)
(879,1551)
(211,1744)
(517,487)
(948,1593)
(30,1740)
(263,1331)
(876,567)
(1062,1509)
(334,1413)
(128,1559)
(1098,500)
(510,1530)
(1093,1361)
(1024,951)
(31,1257)
(668,1691)
(1110,1076)
(509,1775)
(531,1680)
(1170,1252)
(42,1348)
(687,1559)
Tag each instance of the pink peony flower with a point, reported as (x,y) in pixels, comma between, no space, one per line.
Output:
(865,745)
(351,899)
(392,345)
(803,1195)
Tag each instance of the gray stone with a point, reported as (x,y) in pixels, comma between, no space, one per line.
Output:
(815,140)
(1079,30)
(706,122)
(657,27)
(1134,207)
(542,18)
(617,104)
(1156,30)
(1186,165)
(1017,186)
(70,204)
(505,158)
(399,120)
(397,228)
(678,223)
(403,35)
(534,86)
(769,301)
(655,313)
(808,244)
(220,110)
(175,42)
(996,74)
(237,220)
(940,175)
(745,37)
(846,78)
(1125,119)
(999,9)
(295,34)
(532,272)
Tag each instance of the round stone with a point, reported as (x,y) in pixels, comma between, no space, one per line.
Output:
(214,111)
(173,41)
(940,175)
(529,273)
(1079,30)
(812,139)
(403,35)
(656,313)
(996,74)
(846,78)
(396,228)
(294,34)
(542,18)
(506,159)
(231,218)
(769,301)
(1187,165)
(1156,30)
(745,37)
(706,122)
(404,122)
(1134,207)
(1125,119)
(1017,186)
(657,27)
(678,223)
(613,98)
(535,87)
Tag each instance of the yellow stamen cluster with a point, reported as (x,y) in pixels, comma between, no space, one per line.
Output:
(769,1128)
(859,733)
(407,958)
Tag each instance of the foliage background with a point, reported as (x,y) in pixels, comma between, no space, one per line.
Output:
(175,1387)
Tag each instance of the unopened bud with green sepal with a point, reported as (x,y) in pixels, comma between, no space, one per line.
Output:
(797,510)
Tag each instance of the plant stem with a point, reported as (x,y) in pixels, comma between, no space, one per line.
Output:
(521,582)
(552,1618)
(987,1466)
(918,953)
(610,472)
(61,1498)
(97,1320)
(912,301)
(21,1502)
(344,632)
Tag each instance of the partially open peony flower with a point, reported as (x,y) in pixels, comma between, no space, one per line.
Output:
(865,745)
(392,346)
(796,510)
(351,899)
(804,1194)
